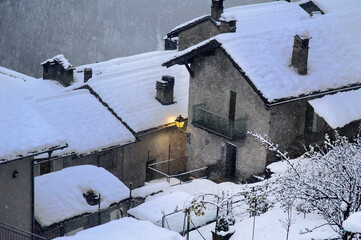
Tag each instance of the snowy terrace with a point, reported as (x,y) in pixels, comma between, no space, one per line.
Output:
(127,85)
(59,195)
(23,130)
(262,47)
(268,226)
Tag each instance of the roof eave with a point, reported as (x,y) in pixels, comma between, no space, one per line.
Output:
(189,56)
(175,32)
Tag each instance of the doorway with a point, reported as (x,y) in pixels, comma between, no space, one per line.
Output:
(231,158)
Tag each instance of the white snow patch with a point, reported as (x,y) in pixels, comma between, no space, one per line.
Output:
(353,223)
(59,195)
(60,59)
(339,109)
(23,130)
(153,210)
(149,189)
(87,125)
(125,229)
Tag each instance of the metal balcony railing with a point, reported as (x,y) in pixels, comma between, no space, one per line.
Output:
(9,232)
(212,122)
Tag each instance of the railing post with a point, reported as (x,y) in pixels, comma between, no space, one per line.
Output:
(231,133)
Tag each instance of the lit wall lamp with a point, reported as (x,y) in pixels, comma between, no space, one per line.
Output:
(179,122)
(15,174)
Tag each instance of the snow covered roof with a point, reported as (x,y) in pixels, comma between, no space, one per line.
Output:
(60,59)
(59,195)
(339,109)
(353,223)
(86,124)
(262,47)
(175,31)
(23,130)
(125,229)
(127,85)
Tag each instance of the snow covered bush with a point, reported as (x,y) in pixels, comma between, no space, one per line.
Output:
(327,180)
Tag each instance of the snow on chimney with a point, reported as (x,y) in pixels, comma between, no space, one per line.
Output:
(165,90)
(88,74)
(217,9)
(300,53)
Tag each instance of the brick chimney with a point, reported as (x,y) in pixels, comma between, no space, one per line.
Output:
(88,74)
(165,90)
(300,53)
(217,9)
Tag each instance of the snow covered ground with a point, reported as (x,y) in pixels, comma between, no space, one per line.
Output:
(125,229)
(268,226)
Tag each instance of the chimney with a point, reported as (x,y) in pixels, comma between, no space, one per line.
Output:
(165,90)
(227,27)
(300,53)
(217,9)
(170,44)
(88,74)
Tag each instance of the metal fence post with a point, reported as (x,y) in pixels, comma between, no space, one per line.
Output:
(163,220)
(99,220)
(188,223)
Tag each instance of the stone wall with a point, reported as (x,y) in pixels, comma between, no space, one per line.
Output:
(197,34)
(16,199)
(214,78)
(129,163)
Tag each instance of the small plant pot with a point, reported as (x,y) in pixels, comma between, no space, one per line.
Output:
(216,236)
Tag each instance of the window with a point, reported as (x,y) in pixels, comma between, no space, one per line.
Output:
(232,105)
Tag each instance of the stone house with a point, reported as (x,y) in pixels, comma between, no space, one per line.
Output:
(18,146)
(263,78)
(122,118)
(202,28)
(58,68)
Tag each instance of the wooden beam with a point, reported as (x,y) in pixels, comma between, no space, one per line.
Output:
(189,69)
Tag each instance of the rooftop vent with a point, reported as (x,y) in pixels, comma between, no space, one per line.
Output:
(165,90)
(310,7)
(217,9)
(88,74)
(300,53)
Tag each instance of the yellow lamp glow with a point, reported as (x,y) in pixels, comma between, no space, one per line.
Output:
(179,122)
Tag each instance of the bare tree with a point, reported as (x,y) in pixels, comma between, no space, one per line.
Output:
(328,181)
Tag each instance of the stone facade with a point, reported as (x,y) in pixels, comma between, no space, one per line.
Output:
(129,162)
(16,201)
(214,79)
(197,34)
(291,125)
(56,71)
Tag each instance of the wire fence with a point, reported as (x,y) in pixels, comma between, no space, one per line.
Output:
(200,226)
(167,169)
(74,225)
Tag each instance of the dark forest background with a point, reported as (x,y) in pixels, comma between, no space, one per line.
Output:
(86,31)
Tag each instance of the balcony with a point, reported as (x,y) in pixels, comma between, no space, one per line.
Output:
(211,122)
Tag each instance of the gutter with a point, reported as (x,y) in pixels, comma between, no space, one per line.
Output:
(316,95)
